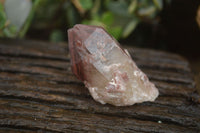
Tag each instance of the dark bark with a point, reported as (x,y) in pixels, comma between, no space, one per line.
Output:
(38,92)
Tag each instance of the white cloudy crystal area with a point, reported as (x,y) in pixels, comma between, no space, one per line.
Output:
(112,76)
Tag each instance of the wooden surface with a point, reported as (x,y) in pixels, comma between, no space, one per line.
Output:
(38,92)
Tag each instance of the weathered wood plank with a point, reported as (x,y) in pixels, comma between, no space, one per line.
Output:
(38,92)
(65,120)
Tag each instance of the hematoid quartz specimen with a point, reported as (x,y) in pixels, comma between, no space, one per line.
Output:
(106,69)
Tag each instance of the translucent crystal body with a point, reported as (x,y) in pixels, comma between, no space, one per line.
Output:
(106,69)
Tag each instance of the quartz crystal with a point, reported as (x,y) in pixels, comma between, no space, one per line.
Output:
(106,69)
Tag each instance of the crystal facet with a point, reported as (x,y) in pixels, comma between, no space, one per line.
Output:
(106,69)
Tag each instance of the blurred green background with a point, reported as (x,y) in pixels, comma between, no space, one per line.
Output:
(53,17)
(158,24)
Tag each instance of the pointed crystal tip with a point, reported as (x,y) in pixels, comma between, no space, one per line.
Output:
(107,70)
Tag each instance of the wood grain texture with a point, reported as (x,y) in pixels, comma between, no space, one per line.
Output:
(38,92)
